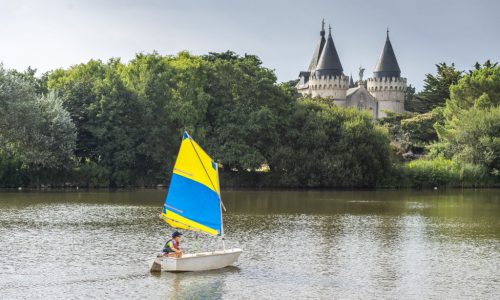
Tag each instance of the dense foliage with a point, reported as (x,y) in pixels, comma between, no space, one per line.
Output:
(471,129)
(119,124)
(324,145)
(424,173)
(458,141)
(37,134)
(116,124)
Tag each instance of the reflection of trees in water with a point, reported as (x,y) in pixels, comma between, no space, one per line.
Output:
(456,206)
(312,202)
(464,214)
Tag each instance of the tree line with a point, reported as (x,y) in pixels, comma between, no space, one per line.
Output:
(450,134)
(114,124)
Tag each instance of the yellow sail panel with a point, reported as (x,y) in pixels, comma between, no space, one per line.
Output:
(178,221)
(195,164)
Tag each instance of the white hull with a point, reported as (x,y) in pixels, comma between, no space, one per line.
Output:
(202,261)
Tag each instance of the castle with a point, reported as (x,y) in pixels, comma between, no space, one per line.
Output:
(385,91)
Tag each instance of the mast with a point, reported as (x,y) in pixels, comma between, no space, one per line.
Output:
(221,208)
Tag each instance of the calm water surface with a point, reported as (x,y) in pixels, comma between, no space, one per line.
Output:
(297,245)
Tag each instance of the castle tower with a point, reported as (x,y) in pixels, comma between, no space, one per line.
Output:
(387,85)
(328,80)
(319,49)
(304,76)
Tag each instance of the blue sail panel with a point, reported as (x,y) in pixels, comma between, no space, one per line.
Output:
(192,205)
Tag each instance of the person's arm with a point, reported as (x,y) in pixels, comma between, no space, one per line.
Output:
(175,249)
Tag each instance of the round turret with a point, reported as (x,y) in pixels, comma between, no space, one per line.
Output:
(387,85)
(389,92)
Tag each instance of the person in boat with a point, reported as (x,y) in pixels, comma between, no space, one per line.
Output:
(172,247)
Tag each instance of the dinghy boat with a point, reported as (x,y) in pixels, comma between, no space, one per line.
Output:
(194,203)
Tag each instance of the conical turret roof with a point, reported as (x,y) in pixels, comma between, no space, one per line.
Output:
(329,62)
(387,65)
(351,82)
(319,49)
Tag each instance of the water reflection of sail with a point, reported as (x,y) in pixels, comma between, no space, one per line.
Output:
(203,285)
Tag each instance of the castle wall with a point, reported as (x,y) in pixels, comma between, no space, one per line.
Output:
(389,92)
(333,87)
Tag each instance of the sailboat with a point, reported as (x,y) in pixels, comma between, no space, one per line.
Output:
(194,203)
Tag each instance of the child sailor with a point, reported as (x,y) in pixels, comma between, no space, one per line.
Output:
(172,247)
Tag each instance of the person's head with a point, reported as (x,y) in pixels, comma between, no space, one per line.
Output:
(176,236)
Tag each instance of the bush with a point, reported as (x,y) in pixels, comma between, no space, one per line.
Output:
(91,174)
(444,172)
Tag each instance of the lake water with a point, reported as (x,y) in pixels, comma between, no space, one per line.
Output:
(297,245)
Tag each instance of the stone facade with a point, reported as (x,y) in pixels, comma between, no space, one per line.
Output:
(360,98)
(385,91)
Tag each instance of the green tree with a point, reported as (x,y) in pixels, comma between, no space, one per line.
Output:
(436,88)
(245,111)
(480,88)
(471,128)
(325,145)
(418,131)
(77,88)
(476,138)
(38,83)
(171,96)
(35,129)
(411,103)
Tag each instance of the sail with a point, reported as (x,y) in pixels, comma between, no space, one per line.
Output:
(193,199)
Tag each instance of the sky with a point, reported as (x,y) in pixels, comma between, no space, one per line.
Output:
(54,34)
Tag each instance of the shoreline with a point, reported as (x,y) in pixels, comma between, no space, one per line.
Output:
(245,188)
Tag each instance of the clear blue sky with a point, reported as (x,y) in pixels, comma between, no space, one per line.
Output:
(52,34)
